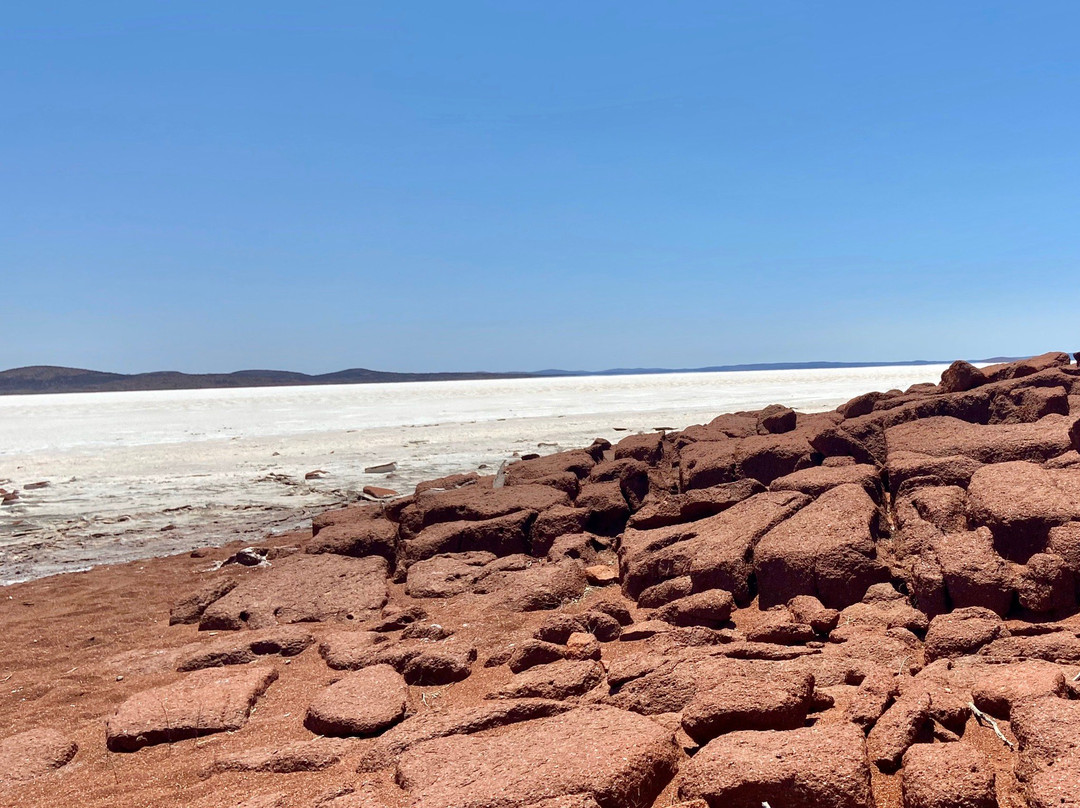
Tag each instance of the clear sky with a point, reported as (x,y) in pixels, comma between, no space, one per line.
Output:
(521,185)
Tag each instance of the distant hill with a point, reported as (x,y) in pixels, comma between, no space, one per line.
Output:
(50,379)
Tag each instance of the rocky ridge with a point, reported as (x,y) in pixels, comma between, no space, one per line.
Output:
(876,606)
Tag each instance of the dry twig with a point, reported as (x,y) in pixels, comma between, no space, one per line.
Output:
(985,720)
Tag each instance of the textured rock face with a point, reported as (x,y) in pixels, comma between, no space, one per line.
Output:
(828,549)
(203,702)
(303,589)
(363,703)
(819,767)
(613,756)
(947,775)
(33,753)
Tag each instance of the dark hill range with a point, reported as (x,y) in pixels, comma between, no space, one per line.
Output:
(51,379)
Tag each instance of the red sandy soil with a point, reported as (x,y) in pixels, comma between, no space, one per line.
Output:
(773,607)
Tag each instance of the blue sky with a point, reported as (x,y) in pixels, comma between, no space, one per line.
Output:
(523,185)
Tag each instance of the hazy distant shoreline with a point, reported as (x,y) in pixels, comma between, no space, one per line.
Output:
(42,379)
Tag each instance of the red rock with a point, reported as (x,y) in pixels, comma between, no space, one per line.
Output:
(303,589)
(816,480)
(776,419)
(644,630)
(816,767)
(693,505)
(201,703)
(576,462)
(943,506)
(449,483)
(33,753)
(1001,686)
(531,653)
(457,721)
(556,521)
(312,755)
(601,575)
(1046,729)
(961,632)
(379,493)
(827,549)
(835,441)
(191,608)
(1028,404)
(713,551)
(666,591)
(557,628)
(365,702)
(631,475)
(351,650)
(780,701)
(441,665)
(876,693)
(615,757)
(1059,646)
(1046,584)
(606,507)
(354,531)
(1026,367)
(444,576)
(960,376)
(541,586)
(474,503)
(780,626)
(906,468)
(647,448)
(601,625)
(861,405)
(559,680)
(501,536)
(892,613)
(946,776)
(710,609)
(973,572)
(1021,501)
(1057,786)
(244,648)
(945,436)
(808,609)
(901,726)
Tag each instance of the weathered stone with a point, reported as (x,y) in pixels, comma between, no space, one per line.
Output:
(947,775)
(303,589)
(815,767)
(201,703)
(779,702)
(561,679)
(365,702)
(614,756)
(827,549)
(33,753)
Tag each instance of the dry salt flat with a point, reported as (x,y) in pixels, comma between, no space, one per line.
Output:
(139,474)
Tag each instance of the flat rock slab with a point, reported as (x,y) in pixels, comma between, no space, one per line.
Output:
(240,649)
(312,755)
(816,767)
(33,753)
(365,702)
(615,757)
(780,701)
(945,775)
(303,589)
(201,703)
(460,721)
(557,680)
